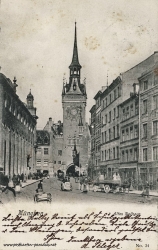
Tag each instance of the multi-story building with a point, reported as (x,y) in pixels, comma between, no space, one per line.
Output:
(111,98)
(97,130)
(17,130)
(110,127)
(49,148)
(129,137)
(148,127)
(91,164)
(43,152)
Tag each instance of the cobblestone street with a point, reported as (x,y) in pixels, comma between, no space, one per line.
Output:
(75,196)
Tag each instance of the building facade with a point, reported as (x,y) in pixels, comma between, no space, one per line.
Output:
(43,152)
(114,129)
(129,138)
(17,130)
(148,126)
(110,128)
(97,130)
(49,148)
(92,161)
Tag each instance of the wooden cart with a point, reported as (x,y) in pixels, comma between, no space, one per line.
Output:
(107,186)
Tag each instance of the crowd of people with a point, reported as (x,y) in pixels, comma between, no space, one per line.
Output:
(18,179)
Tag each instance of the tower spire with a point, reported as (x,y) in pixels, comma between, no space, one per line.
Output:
(75,60)
(74,86)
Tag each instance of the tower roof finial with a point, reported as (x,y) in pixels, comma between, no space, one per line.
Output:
(30,95)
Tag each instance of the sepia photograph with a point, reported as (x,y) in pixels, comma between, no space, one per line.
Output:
(78,124)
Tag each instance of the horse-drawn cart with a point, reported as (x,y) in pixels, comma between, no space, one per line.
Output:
(107,186)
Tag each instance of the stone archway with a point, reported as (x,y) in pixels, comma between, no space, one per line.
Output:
(71,170)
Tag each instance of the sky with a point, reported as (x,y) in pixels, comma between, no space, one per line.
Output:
(36,45)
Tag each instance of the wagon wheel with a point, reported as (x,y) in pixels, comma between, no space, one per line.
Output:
(106,188)
(95,188)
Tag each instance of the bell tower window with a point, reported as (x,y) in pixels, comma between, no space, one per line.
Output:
(29,103)
(75,71)
(74,85)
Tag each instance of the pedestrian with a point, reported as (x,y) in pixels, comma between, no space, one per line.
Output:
(15,180)
(25,178)
(22,177)
(4,181)
(18,178)
(39,187)
(147,189)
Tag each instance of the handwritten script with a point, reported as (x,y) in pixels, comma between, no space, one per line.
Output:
(93,230)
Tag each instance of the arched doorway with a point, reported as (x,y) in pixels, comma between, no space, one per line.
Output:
(71,170)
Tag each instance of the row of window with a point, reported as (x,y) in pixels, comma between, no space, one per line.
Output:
(154,129)
(55,162)
(45,162)
(45,150)
(112,97)
(108,117)
(154,104)
(73,141)
(145,84)
(154,154)
(129,155)
(110,154)
(110,134)
(20,115)
(130,133)
(129,111)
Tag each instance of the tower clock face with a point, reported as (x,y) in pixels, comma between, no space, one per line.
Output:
(73,111)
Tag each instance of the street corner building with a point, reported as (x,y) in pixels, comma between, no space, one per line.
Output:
(17,130)
(68,149)
(124,126)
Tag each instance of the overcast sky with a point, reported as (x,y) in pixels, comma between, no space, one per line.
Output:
(37,43)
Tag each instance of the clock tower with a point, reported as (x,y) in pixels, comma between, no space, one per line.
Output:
(74,99)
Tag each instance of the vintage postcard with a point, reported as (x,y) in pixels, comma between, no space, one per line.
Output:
(79,124)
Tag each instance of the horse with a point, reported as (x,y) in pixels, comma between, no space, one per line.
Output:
(4,182)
